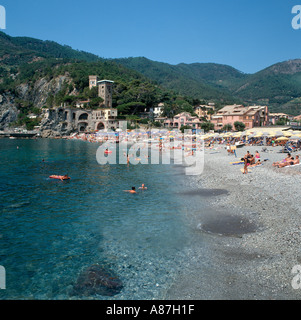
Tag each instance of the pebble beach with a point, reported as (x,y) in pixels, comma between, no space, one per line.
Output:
(251,227)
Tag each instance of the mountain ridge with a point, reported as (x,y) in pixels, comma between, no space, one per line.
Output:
(278,85)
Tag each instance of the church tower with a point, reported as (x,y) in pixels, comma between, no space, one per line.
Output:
(105,91)
(93,81)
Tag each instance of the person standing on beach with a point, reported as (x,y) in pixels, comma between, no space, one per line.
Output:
(246,162)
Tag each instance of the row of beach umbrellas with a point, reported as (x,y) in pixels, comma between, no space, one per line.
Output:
(279,135)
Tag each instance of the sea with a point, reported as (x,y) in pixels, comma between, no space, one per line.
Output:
(53,230)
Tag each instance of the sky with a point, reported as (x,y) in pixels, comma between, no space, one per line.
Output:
(248,35)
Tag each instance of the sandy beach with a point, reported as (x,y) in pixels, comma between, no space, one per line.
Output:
(249,238)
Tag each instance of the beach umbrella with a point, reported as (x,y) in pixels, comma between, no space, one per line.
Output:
(282,139)
(278,134)
(258,135)
(296,137)
(287,134)
(266,134)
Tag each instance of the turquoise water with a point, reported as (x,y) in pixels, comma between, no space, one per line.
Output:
(51,230)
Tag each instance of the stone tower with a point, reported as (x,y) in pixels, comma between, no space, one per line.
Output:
(93,81)
(105,90)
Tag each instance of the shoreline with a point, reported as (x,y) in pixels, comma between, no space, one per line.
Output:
(243,265)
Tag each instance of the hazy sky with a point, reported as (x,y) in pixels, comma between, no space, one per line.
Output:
(246,34)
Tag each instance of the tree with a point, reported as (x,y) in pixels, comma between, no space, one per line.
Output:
(239,126)
(281,122)
(206,126)
(227,127)
(185,128)
(157,124)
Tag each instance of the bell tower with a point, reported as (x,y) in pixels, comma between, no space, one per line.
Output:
(105,90)
(93,81)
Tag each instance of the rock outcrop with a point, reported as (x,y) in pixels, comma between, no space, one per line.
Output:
(97,280)
(8,111)
(37,94)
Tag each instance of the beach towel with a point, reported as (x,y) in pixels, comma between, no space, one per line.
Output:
(294,165)
(237,162)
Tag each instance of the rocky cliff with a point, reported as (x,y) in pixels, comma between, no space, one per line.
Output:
(36,94)
(8,111)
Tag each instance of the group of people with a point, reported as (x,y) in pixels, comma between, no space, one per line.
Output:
(133,190)
(288,161)
(251,160)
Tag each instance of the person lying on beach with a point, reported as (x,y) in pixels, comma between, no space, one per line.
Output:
(288,158)
(255,164)
(133,190)
(291,162)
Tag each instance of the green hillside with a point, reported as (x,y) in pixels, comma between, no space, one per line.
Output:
(185,79)
(36,74)
(25,60)
(18,50)
(275,86)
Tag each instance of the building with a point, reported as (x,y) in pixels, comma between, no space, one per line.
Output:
(105,89)
(158,111)
(252,116)
(274,117)
(82,120)
(183,119)
(205,111)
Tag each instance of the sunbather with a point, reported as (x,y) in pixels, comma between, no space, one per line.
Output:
(255,164)
(287,159)
(291,162)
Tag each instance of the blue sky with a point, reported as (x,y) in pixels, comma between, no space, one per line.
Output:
(248,35)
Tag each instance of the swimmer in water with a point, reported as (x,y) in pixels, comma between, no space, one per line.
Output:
(131,191)
(143,187)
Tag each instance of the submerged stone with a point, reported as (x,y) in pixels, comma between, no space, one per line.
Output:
(97,280)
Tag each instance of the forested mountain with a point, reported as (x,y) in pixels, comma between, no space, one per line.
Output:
(277,86)
(15,51)
(199,81)
(36,74)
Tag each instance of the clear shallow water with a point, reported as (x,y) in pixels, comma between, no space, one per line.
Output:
(51,230)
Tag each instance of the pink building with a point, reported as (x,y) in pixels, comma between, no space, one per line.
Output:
(253,116)
(274,117)
(183,119)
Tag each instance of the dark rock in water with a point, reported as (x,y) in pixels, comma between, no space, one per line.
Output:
(97,280)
